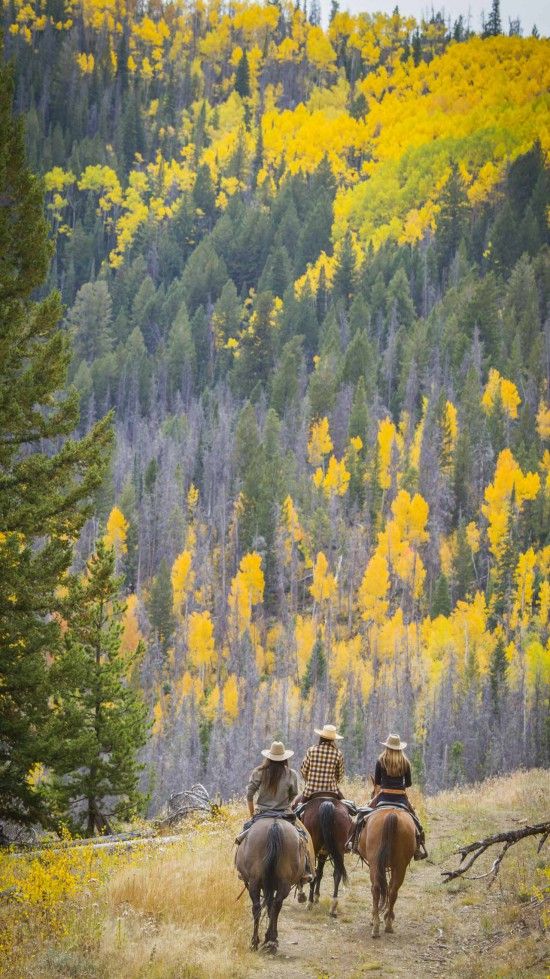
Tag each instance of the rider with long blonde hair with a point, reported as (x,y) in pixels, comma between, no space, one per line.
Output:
(392,778)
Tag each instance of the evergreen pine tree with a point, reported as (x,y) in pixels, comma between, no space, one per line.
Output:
(451,219)
(43,494)
(493,25)
(345,272)
(98,723)
(242,77)
(160,605)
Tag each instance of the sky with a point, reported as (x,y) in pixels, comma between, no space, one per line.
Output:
(529,11)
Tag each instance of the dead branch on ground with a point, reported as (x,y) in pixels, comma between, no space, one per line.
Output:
(471,851)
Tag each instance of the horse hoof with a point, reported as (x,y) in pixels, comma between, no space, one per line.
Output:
(388,929)
(254,946)
(302,898)
(334,909)
(316,899)
(270,948)
(376,934)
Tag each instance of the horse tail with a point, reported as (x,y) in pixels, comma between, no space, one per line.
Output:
(272,853)
(327,812)
(384,855)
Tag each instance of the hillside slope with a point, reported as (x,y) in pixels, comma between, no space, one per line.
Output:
(309,270)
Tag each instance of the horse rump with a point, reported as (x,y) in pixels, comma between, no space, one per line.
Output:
(383,857)
(273,849)
(327,811)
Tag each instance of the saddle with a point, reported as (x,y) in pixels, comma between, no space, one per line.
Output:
(288,814)
(364,812)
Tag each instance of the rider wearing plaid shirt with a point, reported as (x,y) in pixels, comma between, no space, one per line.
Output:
(323,766)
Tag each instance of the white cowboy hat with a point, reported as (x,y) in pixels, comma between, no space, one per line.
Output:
(394,742)
(329,732)
(277,752)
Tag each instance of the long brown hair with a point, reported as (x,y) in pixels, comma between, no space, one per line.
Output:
(272,773)
(395,762)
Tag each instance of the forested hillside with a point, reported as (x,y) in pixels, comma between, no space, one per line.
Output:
(309,270)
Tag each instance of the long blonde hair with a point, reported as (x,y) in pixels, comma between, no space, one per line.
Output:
(395,762)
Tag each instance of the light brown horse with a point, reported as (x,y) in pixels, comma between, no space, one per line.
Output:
(387,843)
(270,860)
(329,824)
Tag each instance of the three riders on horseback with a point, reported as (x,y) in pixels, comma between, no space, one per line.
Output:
(274,857)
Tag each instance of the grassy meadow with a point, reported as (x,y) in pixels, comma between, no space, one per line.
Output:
(170,910)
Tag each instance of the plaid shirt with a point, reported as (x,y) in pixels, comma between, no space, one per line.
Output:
(322,769)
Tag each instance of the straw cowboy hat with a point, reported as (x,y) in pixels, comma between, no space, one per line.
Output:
(394,742)
(329,732)
(277,752)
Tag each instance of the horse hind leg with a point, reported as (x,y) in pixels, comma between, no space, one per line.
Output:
(375,910)
(255,896)
(393,890)
(271,940)
(321,860)
(334,902)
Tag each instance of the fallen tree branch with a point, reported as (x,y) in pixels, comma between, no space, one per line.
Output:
(476,849)
(105,843)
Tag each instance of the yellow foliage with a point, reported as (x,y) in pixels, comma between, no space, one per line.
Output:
(231,698)
(183,579)
(192,497)
(336,479)
(211,704)
(508,480)
(247,590)
(323,588)
(320,442)
(374,589)
(85,62)
(411,516)
(543,421)
(415,112)
(200,640)
(498,386)
(388,439)
(450,427)
(117,529)
(523,599)
(472,537)
(319,50)
(131,634)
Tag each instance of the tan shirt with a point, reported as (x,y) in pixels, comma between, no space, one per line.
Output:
(280,798)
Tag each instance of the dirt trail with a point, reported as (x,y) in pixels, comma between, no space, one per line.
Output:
(312,944)
(440,930)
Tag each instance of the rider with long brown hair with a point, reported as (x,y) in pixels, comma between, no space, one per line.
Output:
(273,783)
(273,786)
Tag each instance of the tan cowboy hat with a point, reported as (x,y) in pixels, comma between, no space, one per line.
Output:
(329,732)
(394,742)
(277,752)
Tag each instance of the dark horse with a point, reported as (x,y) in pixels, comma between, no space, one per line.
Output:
(329,824)
(387,843)
(270,860)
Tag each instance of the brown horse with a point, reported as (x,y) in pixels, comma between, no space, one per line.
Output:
(387,843)
(329,824)
(270,860)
